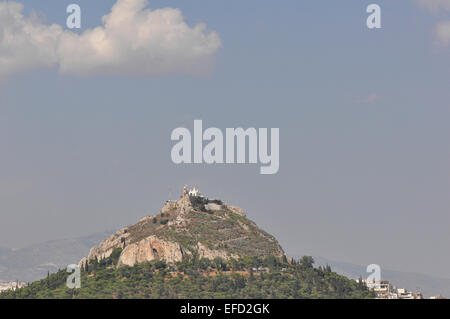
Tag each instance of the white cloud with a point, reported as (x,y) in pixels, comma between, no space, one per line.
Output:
(442,29)
(25,43)
(435,5)
(131,40)
(442,32)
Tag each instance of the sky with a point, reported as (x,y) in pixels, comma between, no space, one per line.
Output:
(86,118)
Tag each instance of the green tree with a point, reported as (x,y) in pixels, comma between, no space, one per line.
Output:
(307,262)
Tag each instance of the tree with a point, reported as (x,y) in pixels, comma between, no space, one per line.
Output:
(307,262)
(252,275)
(115,255)
(271,261)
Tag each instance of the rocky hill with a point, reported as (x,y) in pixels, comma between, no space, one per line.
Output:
(191,226)
(194,247)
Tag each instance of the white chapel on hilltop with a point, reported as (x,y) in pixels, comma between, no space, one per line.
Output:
(195,193)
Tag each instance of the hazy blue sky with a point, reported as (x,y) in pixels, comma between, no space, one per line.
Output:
(364,131)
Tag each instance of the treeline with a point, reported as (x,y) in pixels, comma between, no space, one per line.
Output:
(249,277)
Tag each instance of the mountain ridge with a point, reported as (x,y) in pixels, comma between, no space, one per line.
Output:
(35,261)
(187,231)
(194,247)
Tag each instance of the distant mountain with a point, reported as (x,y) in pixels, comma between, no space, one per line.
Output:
(427,285)
(33,262)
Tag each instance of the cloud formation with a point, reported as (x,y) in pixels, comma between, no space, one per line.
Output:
(442,29)
(132,40)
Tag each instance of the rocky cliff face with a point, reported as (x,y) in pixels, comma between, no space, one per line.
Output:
(192,225)
(151,248)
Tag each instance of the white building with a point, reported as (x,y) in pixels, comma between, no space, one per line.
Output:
(13,285)
(385,290)
(195,193)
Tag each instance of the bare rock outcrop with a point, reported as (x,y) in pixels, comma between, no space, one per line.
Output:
(205,252)
(106,247)
(184,203)
(237,210)
(148,249)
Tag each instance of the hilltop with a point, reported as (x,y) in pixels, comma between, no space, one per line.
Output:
(191,226)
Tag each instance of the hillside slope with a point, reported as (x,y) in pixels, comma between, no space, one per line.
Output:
(248,277)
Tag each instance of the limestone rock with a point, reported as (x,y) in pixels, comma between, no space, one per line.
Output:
(205,252)
(148,249)
(106,247)
(237,210)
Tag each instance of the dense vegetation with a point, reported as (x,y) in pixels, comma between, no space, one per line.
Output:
(198,278)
